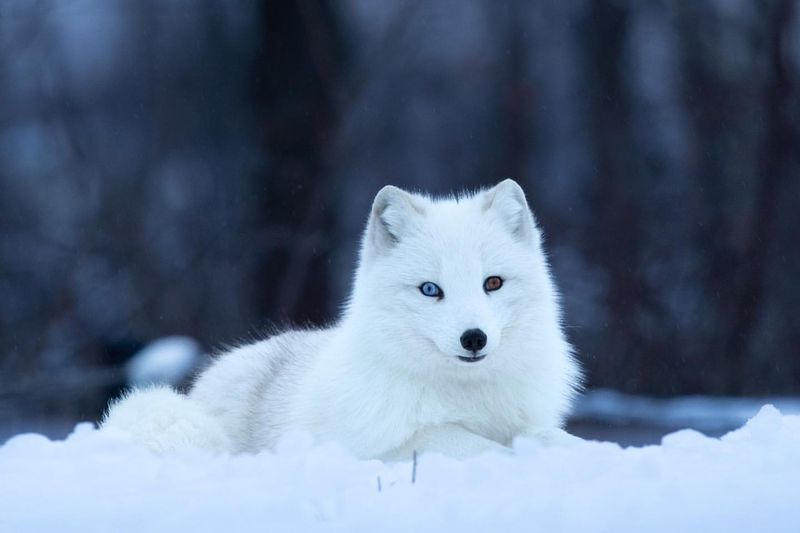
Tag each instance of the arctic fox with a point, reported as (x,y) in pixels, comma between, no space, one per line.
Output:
(450,342)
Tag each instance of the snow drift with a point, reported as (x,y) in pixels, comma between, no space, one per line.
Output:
(99,481)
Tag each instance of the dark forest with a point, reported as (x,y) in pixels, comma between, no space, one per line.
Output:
(208,172)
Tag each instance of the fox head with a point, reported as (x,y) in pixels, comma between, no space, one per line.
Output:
(461,282)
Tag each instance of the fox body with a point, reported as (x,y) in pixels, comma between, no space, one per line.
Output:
(450,342)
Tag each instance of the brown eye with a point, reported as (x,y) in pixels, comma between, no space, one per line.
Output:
(492,283)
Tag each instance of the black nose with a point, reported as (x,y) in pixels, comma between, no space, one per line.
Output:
(473,340)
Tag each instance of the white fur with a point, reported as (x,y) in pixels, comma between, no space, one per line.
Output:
(163,420)
(386,379)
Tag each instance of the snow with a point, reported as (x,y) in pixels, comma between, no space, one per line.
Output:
(166,361)
(98,481)
(705,413)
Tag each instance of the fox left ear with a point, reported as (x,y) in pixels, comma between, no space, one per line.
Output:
(394,212)
(507,200)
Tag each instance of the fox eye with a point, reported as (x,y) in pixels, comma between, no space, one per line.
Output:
(492,283)
(431,289)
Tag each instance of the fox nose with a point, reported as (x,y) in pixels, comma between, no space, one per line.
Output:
(473,340)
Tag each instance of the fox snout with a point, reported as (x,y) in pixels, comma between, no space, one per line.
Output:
(473,340)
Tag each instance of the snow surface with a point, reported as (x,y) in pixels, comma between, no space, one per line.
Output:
(748,480)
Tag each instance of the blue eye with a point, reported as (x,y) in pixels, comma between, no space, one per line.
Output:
(431,289)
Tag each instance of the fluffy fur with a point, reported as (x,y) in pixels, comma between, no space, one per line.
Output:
(387,379)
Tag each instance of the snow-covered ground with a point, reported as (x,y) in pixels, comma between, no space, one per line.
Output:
(704,413)
(95,481)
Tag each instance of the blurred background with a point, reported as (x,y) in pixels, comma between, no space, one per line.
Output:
(204,169)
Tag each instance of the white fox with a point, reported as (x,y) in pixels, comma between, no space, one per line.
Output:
(450,342)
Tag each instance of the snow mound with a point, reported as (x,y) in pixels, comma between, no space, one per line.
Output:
(708,413)
(99,481)
(165,361)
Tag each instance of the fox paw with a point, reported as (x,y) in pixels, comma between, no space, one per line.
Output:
(554,437)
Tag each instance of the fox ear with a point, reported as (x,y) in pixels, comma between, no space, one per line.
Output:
(393,212)
(507,201)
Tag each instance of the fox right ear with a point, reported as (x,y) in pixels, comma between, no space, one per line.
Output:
(507,200)
(393,212)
